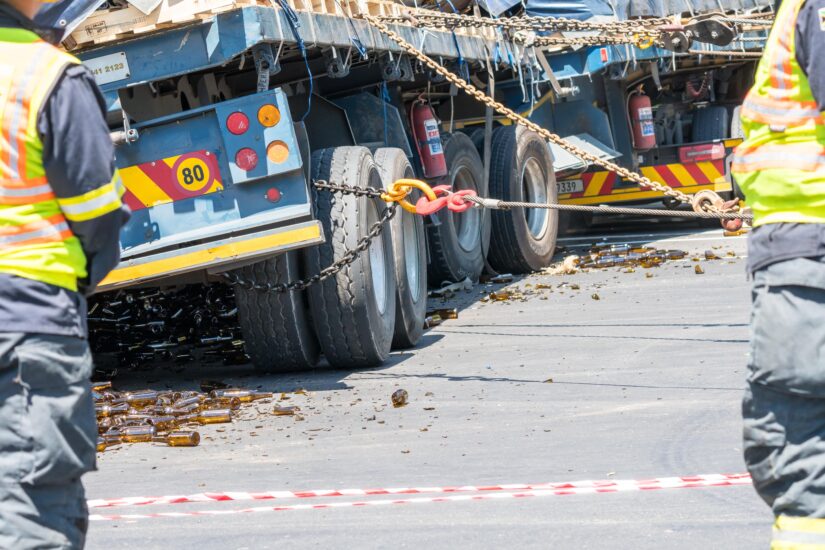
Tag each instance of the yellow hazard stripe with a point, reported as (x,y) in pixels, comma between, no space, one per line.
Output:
(681,174)
(634,193)
(170,161)
(190,261)
(650,173)
(595,184)
(709,170)
(142,187)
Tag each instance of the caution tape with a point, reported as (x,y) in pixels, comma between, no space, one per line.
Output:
(487,492)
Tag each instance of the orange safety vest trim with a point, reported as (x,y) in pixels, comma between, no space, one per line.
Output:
(33,67)
(47,230)
(36,241)
(780,102)
(780,166)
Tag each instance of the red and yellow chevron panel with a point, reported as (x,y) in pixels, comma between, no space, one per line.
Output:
(171,179)
(596,187)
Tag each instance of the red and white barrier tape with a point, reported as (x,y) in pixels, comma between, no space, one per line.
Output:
(488,492)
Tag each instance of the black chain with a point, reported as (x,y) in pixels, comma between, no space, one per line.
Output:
(232,277)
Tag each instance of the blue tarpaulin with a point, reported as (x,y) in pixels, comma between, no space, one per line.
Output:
(62,17)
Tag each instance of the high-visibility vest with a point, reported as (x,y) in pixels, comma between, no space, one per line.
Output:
(35,239)
(781,164)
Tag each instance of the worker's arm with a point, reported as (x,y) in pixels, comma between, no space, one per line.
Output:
(80,165)
(810,45)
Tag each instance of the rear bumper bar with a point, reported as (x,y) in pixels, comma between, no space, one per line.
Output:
(213,256)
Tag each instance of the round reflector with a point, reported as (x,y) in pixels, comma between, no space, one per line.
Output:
(237,123)
(273,195)
(269,115)
(277,152)
(246,159)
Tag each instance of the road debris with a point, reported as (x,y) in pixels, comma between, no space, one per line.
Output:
(502,278)
(568,266)
(431,321)
(399,398)
(444,313)
(135,328)
(149,416)
(449,289)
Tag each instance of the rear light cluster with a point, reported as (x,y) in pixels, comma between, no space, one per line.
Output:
(246,158)
(702,153)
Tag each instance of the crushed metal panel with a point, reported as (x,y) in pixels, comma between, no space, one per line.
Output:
(562,160)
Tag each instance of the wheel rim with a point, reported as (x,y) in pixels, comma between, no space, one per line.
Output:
(378,265)
(467,223)
(412,260)
(534,187)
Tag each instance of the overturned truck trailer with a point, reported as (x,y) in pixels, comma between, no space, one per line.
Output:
(254,138)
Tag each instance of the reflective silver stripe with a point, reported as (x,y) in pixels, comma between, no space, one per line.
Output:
(802,113)
(19,192)
(784,160)
(43,232)
(78,210)
(17,115)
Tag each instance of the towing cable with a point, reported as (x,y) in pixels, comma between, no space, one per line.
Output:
(441,196)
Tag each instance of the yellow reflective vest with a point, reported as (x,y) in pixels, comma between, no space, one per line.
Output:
(781,164)
(35,239)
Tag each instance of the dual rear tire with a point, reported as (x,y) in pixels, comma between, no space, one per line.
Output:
(378,301)
(354,316)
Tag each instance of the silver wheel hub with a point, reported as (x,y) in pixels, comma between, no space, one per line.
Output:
(378,260)
(468,223)
(534,188)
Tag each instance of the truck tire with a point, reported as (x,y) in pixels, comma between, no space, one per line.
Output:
(410,253)
(354,310)
(710,123)
(455,240)
(521,170)
(278,333)
(476,135)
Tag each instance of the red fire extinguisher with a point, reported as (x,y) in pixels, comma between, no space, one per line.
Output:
(427,139)
(641,121)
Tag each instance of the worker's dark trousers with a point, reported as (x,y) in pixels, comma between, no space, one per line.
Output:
(784,405)
(47,440)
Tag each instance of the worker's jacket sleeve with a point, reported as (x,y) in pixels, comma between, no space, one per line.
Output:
(810,45)
(79,160)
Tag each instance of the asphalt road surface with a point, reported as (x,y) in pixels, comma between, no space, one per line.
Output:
(643,383)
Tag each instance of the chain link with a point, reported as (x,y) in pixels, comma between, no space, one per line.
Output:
(530,125)
(645,27)
(522,29)
(234,278)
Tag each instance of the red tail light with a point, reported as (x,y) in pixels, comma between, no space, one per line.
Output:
(701,153)
(246,159)
(237,123)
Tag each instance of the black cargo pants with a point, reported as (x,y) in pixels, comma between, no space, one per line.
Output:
(47,440)
(784,405)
